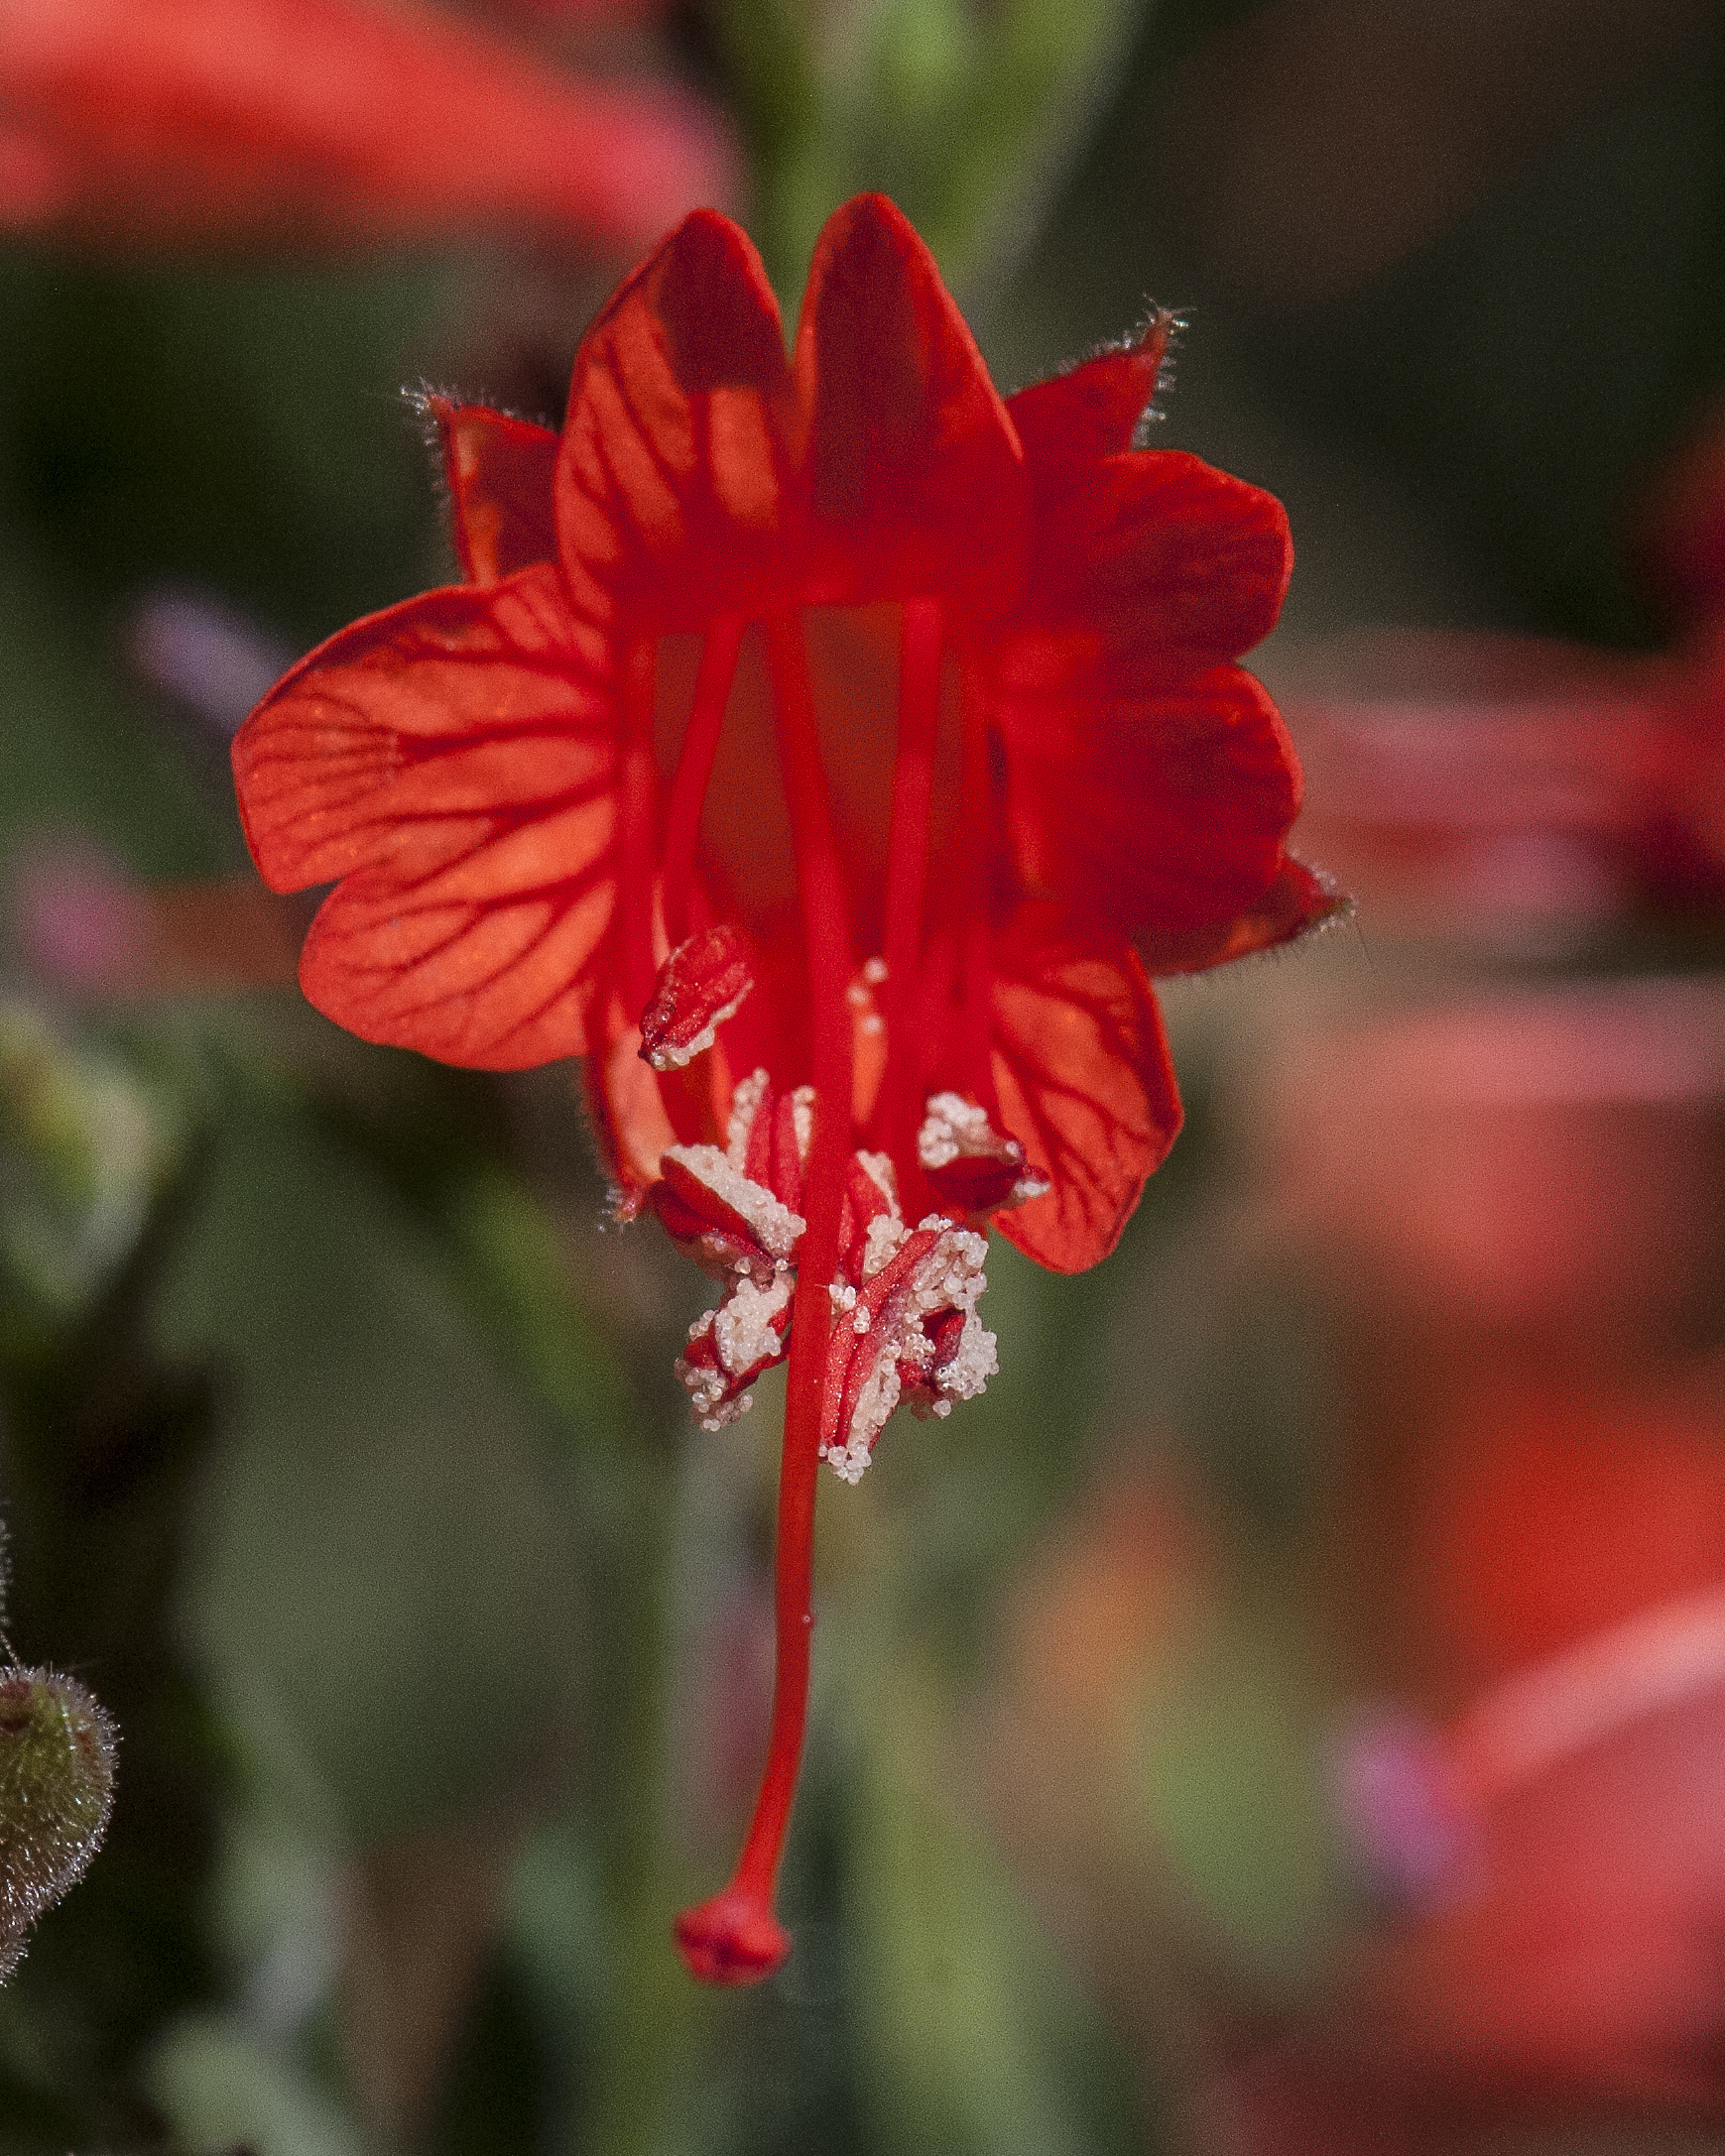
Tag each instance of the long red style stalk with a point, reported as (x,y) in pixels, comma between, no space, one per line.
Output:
(735,1938)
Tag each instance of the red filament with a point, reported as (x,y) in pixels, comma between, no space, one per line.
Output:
(976,953)
(920,648)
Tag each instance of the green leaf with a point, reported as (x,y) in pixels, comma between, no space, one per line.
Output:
(390,1562)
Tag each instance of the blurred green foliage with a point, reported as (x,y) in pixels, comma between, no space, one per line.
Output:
(962,114)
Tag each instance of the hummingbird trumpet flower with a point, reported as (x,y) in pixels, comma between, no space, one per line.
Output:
(829,751)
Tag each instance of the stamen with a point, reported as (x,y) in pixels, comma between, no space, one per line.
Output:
(972,1167)
(695,768)
(735,1938)
(703,982)
(920,648)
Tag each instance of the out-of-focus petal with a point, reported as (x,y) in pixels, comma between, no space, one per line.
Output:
(677,457)
(918,473)
(162,122)
(1085,1085)
(578,11)
(37,183)
(1474,779)
(1582,1969)
(1678,525)
(452,761)
(1164,810)
(500,472)
(1297,901)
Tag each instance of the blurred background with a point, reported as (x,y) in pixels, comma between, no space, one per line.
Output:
(1287,1716)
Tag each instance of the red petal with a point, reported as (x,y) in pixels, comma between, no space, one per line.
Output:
(1091,411)
(500,472)
(918,473)
(1082,1071)
(677,456)
(1173,564)
(1298,901)
(452,761)
(1161,812)
(162,121)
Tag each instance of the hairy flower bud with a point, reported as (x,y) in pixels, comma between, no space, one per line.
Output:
(57,1788)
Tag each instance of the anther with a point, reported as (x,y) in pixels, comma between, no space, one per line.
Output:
(703,982)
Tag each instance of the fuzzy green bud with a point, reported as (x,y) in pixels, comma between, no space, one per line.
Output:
(57,1788)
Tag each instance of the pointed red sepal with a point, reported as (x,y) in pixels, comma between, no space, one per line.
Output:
(1297,903)
(499,471)
(732,1939)
(916,472)
(700,985)
(676,476)
(1093,410)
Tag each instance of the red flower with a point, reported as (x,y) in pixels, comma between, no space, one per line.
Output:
(157,122)
(806,748)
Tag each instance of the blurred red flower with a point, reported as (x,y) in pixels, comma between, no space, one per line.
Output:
(1502,784)
(765,667)
(1512,1208)
(158,123)
(1570,1968)
(1507,785)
